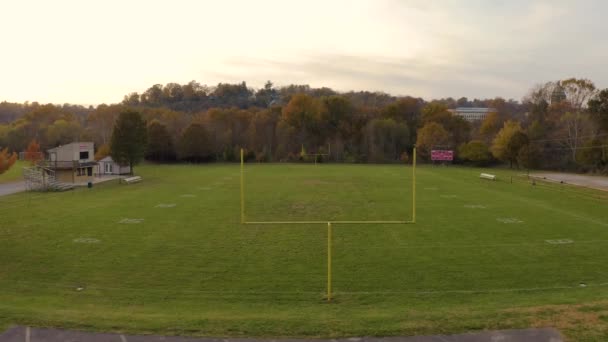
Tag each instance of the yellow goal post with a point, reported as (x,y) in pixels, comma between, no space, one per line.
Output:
(328,222)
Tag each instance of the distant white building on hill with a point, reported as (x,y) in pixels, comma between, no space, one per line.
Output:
(472,113)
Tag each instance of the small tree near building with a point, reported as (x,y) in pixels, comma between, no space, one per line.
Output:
(33,153)
(129,138)
(102,152)
(6,160)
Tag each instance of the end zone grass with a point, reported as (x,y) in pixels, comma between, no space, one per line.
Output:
(477,258)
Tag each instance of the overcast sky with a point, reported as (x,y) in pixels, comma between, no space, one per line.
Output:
(91,52)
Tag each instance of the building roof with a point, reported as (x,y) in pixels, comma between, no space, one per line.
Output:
(106,159)
(72,143)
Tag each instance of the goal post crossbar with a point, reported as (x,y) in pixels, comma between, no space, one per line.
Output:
(325,222)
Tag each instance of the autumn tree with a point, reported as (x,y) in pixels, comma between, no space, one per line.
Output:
(386,140)
(431,135)
(306,115)
(129,139)
(62,132)
(490,125)
(101,122)
(508,141)
(458,128)
(6,160)
(33,153)
(102,152)
(160,145)
(406,110)
(194,144)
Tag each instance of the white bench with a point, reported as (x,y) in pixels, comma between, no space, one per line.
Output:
(487,176)
(134,179)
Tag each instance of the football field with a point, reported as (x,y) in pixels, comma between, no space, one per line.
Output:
(170,256)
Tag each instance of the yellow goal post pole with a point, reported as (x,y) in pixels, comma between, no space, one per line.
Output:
(414,186)
(329,261)
(242,190)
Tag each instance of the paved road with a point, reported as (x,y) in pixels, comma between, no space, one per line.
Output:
(596,182)
(24,334)
(11,188)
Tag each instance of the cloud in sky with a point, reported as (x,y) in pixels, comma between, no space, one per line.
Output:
(94,52)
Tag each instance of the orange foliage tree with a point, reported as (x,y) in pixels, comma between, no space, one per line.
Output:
(6,160)
(33,153)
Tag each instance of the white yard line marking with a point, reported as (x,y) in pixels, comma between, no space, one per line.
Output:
(165,205)
(123,338)
(446,245)
(131,221)
(509,220)
(86,240)
(27,334)
(559,241)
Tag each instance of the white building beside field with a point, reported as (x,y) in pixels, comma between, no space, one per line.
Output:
(107,166)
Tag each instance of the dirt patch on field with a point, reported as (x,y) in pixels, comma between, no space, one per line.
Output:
(594,182)
(579,319)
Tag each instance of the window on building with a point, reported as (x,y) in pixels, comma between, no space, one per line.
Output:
(84,155)
(89,171)
(108,167)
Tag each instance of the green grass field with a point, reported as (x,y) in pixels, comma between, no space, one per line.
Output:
(14,174)
(477,258)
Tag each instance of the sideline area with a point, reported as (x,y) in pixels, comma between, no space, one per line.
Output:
(594,182)
(27,334)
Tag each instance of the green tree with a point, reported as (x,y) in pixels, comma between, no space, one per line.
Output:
(594,154)
(129,139)
(194,144)
(431,135)
(160,145)
(475,151)
(62,132)
(598,107)
(386,140)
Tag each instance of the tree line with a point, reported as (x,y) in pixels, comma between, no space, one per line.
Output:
(196,123)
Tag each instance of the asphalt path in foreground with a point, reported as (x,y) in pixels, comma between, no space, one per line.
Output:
(27,334)
(11,188)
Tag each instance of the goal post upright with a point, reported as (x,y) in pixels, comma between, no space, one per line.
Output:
(329,261)
(242,190)
(414,186)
